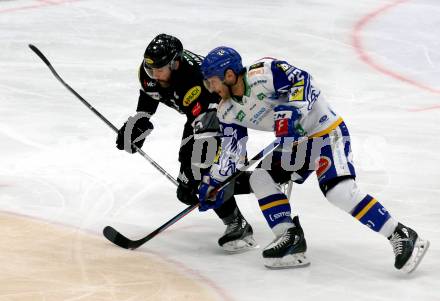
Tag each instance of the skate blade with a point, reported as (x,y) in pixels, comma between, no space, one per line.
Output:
(240,245)
(420,248)
(287,262)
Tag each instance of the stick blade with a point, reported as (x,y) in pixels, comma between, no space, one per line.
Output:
(117,238)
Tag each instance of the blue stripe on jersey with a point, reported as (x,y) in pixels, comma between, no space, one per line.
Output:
(280,80)
(285,76)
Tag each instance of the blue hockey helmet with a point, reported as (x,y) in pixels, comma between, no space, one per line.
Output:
(219,60)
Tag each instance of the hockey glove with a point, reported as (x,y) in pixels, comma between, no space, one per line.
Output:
(141,129)
(286,121)
(187,188)
(208,201)
(187,194)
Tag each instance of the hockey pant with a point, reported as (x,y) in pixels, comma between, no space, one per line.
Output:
(330,156)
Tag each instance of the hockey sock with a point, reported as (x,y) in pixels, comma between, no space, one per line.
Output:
(371,213)
(366,209)
(273,203)
(276,209)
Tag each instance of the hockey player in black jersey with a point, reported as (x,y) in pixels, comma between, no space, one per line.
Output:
(171,75)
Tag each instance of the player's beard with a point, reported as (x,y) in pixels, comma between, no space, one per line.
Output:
(163,83)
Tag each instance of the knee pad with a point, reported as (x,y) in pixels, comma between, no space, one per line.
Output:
(345,195)
(262,183)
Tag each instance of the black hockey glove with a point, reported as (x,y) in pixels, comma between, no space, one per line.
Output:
(141,129)
(188,186)
(187,194)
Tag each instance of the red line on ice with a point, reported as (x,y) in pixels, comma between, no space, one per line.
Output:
(357,44)
(39,4)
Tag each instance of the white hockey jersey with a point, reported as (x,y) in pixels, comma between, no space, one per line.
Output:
(268,83)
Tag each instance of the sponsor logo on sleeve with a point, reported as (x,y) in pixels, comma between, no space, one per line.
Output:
(323,119)
(322,165)
(258,82)
(192,95)
(254,72)
(256,66)
(296,94)
(226,111)
(196,109)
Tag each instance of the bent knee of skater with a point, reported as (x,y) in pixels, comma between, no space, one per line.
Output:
(260,177)
(345,195)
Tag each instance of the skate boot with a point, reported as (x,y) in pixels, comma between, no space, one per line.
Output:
(408,248)
(238,236)
(288,250)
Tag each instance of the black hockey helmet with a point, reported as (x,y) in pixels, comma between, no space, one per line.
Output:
(162,50)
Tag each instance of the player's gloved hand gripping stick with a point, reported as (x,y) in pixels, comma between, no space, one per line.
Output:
(87,104)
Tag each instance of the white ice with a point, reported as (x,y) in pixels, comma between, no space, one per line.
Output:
(58,161)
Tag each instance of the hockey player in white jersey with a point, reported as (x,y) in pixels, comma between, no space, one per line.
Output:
(273,95)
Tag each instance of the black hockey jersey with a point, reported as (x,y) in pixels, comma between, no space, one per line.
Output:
(186,93)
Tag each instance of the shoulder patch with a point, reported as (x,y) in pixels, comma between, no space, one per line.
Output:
(192,95)
(296,93)
(256,66)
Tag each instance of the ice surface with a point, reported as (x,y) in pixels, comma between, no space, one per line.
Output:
(377,62)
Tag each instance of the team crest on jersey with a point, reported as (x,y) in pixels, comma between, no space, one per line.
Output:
(322,165)
(191,95)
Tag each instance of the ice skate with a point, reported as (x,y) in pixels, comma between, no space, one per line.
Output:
(408,248)
(238,236)
(287,251)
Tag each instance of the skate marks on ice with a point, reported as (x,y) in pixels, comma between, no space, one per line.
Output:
(43,261)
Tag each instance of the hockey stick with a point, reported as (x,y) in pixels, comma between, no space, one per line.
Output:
(109,232)
(119,239)
(87,104)
(124,242)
